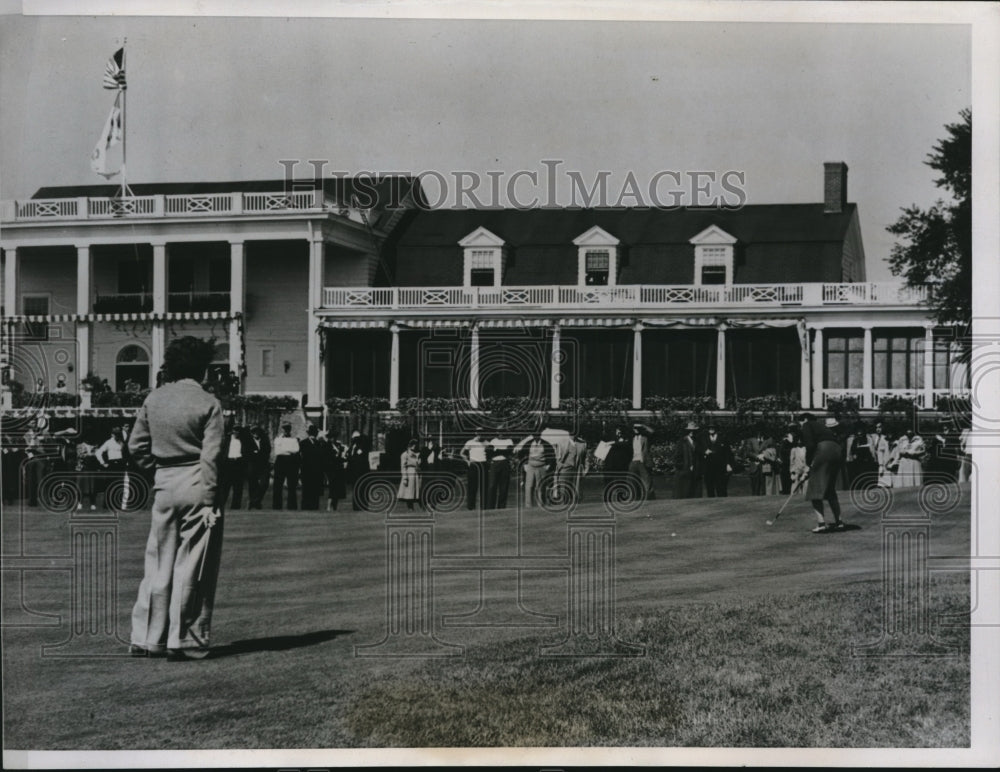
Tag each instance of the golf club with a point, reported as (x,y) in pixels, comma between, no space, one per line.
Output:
(795,489)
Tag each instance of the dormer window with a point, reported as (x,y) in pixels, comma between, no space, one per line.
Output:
(485,259)
(598,258)
(713,256)
(597,267)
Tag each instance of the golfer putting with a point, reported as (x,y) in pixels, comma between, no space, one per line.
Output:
(795,489)
(823,455)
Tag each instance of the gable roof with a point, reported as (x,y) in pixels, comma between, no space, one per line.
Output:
(758,223)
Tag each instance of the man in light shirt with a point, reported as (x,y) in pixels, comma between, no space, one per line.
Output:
(286,467)
(475,452)
(234,466)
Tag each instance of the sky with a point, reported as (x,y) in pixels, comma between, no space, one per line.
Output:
(228,98)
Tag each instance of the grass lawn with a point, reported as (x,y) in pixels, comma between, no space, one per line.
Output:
(747,633)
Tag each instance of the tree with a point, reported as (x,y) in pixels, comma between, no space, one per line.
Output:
(937,246)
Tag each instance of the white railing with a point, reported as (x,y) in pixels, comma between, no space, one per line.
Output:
(622,296)
(213,203)
(873,292)
(130,206)
(160,206)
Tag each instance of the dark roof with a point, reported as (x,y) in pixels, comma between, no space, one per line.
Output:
(389,190)
(750,224)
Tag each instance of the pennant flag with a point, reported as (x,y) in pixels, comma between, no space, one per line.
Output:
(114,71)
(111,136)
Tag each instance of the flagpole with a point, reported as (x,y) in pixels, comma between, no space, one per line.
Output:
(125,189)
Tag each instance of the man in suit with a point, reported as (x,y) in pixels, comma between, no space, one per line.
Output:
(753,454)
(717,458)
(312,455)
(538,457)
(639,465)
(572,458)
(878,446)
(258,454)
(687,465)
(234,465)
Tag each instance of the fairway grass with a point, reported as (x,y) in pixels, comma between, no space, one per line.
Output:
(747,634)
(771,673)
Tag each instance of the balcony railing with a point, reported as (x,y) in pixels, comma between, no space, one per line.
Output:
(124,303)
(197,301)
(187,205)
(622,296)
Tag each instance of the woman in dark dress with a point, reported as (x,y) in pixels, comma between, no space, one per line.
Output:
(357,467)
(336,453)
(824,456)
(617,461)
(861,462)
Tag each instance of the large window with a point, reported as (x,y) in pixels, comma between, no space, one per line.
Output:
(132,369)
(899,359)
(133,277)
(596,363)
(180,275)
(357,363)
(845,360)
(219,275)
(678,363)
(35,305)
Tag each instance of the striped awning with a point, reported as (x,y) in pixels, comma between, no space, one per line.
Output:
(591,321)
(169,316)
(70,412)
(513,324)
(434,323)
(683,321)
(354,324)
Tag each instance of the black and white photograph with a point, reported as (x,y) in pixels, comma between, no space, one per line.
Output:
(545,385)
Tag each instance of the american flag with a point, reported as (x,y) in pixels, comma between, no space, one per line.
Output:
(114,71)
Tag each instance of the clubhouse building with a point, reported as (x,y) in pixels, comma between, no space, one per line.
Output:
(315,292)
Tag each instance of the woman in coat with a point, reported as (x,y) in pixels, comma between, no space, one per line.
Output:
(910,450)
(336,455)
(617,461)
(409,483)
(824,456)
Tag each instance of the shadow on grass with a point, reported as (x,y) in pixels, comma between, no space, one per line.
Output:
(276,643)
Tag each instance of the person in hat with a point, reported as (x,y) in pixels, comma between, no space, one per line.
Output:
(752,452)
(717,462)
(312,458)
(639,465)
(286,467)
(687,465)
(824,456)
(258,453)
(178,435)
(616,461)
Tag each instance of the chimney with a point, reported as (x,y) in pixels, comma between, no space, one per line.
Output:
(834,187)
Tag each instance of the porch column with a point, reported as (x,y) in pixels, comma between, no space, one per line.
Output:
(555,370)
(805,382)
(817,368)
(867,395)
(928,367)
(314,384)
(11,275)
(720,367)
(474,368)
(637,367)
(158,337)
(394,367)
(84,282)
(237,302)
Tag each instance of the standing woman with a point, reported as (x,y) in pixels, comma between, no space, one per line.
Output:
(409,467)
(911,452)
(824,456)
(617,461)
(357,466)
(178,433)
(336,454)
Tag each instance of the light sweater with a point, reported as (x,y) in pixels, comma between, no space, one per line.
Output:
(180,423)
